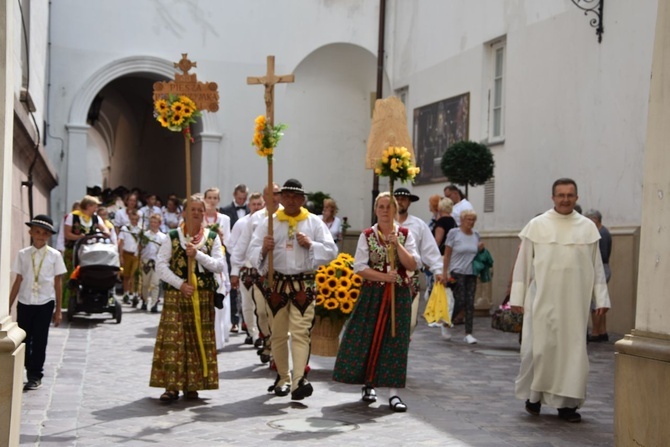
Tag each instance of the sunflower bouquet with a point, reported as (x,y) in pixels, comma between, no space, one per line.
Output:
(176,113)
(338,288)
(266,136)
(396,162)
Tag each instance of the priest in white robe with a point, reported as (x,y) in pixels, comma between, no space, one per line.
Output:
(558,272)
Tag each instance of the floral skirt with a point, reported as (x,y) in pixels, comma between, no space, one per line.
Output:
(178,363)
(368,353)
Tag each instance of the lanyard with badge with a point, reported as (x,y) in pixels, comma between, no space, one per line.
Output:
(36,272)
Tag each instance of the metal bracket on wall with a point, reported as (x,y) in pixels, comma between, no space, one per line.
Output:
(594,7)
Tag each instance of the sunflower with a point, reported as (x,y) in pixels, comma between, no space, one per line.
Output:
(319,299)
(330,271)
(346,307)
(163,120)
(177,107)
(337,264)
(341,294)
(332,283)
(353,294)
(346,270)
(161,106)
(356,281)
(345,283)
(321,279)
(331,304)
(325,290)
(188,111)
(188,102)
(321,269)
(177,119)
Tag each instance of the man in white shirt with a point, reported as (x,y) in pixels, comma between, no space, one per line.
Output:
(246,291)
(300,243)
(151,242)
(425,244)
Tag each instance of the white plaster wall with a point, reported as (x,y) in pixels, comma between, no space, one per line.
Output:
(573,107)
(229,41)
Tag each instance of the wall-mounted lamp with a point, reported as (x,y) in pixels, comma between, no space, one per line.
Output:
(594,7)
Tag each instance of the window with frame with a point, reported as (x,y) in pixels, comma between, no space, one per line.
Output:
(497,93)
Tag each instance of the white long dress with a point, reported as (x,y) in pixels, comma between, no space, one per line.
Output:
(557,273)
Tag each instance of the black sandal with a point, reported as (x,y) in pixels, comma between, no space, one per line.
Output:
(191,395)
(368,394)
(169,396)
(397,405)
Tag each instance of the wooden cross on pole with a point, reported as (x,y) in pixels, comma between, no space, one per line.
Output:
(269,81)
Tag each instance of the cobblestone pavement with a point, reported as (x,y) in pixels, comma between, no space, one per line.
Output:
(95,393)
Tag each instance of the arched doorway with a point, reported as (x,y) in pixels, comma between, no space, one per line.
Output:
(114,140)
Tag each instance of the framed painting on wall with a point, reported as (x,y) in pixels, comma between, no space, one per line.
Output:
(436,127)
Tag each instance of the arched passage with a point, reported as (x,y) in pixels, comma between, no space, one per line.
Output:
(137,152)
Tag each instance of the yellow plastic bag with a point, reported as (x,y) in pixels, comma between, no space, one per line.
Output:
(437,307)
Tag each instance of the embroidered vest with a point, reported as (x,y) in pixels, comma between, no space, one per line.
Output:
(179,262)
(78,228)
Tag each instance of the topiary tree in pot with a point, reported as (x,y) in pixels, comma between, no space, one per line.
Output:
(468,163)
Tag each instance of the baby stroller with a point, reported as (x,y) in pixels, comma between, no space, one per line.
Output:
(96,267)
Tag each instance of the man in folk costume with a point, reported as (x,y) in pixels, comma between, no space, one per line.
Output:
(425,244)
(241,267)
(300,244)
(558,272)
(244,272)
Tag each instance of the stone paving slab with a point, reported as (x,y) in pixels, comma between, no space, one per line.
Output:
(95,393)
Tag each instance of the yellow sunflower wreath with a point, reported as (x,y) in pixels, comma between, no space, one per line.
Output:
(338,288)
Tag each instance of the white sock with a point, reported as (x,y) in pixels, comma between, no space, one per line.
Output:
(393,392)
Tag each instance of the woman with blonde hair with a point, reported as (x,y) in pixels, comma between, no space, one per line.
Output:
(329,217)
(369,355)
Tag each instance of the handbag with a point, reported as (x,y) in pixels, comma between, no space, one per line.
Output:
(503,319)
(439,307)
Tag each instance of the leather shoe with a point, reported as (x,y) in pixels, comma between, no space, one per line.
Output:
(569,414)
(283,390)
(533,407)
(368,394)
(304,390)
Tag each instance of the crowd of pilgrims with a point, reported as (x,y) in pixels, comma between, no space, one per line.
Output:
(233,293)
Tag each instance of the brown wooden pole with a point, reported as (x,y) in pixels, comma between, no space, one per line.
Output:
(393,265)
(270,111)
(187,220)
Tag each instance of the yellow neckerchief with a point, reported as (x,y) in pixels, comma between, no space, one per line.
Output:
(85,219)
(292,220)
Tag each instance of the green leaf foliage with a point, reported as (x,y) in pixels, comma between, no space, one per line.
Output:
(316,199)
(468,163)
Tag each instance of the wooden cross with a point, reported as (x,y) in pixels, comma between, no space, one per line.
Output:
(269,81)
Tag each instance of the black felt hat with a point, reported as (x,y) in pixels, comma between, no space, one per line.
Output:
(404,192)
(42,221)
(294,186)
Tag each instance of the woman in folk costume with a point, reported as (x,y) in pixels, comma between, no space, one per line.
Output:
(369,354)
(185,350)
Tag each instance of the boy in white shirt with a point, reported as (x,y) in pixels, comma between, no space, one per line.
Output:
(148,210)
(39,269)
(151,243)
(128,249)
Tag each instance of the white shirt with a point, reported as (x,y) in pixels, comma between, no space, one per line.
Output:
(224,226)
(426,246)
(145,213)
(239,256)
(214,262)
(128,236)
(121,218)
(335,227)
(289,257)
(459,208)
(170,220)
(156,240)
(52,266)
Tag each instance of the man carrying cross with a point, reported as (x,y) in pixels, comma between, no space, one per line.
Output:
(300,244)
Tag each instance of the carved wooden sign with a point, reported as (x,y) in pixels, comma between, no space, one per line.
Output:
(204,94)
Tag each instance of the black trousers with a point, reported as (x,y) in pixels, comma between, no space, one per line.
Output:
(35,320)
